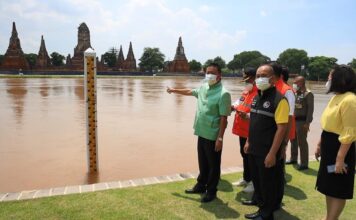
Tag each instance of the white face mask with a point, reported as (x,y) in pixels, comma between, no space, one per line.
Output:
(262,83)
(248,87)
(295,87)
(210,78)
(328,85)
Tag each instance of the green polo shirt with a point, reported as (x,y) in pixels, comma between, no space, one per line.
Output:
(213,101)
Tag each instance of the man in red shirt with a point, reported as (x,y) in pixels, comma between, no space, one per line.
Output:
(242,106)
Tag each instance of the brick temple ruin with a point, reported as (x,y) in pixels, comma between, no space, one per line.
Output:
(15,61)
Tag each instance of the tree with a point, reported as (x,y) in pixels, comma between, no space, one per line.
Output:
(247,59)
(57,59)
(195,66)
(1,58)
(31,59)
(110,57)
(353,64)
(294,59)
(320,66)
(151,59)
(218,60)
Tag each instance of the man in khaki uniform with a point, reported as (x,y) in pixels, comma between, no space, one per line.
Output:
(304,108)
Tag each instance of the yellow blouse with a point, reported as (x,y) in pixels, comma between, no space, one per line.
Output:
(339,117)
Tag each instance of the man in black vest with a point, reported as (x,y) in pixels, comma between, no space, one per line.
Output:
(268,126)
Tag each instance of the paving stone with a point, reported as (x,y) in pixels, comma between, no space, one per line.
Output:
(2,196)
(163,179)
(175,177)
(139,182)
(100,186)
(114,185)
(150,180)
(11,196)
(126,183)
(58,191)
(72,189)
(86,188)
(42,193)
(186,175)
(27,194)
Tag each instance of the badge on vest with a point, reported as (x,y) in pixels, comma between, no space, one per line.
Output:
(266,104)
(242,99)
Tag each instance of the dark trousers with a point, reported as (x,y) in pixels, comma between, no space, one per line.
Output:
(300,142)
(246,173)
(266,182)
(209,165)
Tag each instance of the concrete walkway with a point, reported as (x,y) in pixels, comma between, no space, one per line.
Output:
(33,194)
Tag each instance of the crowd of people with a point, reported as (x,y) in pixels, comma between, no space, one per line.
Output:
(269,114)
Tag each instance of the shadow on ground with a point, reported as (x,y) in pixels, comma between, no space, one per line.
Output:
(216,207)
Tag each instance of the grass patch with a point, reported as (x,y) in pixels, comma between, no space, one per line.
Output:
(168,201)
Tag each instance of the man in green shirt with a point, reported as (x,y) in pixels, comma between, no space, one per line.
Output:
(213,108)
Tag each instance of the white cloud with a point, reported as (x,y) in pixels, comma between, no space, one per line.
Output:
(205,8)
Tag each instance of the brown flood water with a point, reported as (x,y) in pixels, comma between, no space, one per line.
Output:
(143,131)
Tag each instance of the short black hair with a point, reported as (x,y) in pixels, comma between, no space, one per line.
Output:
(343,79)
(250,71)
(216,65)
(277,69)
(285,73)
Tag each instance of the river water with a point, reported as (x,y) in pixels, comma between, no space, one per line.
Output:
(142,130)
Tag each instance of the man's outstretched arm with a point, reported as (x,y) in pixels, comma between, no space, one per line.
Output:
(187,92)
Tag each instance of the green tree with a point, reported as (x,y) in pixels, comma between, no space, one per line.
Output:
(31,59)
(151,59)
(320,66)
(218,60)
(195,66)
(110,57)
(294,59)
(353,64)
(247,59)
(57,59)
(1,58)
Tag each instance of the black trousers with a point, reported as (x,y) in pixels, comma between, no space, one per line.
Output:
(246,172)
(266,182)
(209,165)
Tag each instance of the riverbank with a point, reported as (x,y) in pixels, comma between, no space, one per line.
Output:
(168,201)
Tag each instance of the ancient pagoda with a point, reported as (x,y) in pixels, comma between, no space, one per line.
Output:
(14,58)
(180,62)
(120,62)
(83,44)
(130,62)
(43,59)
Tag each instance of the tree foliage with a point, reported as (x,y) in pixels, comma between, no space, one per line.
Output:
(151,59)
(110,57)
(195,66)
(353,64)
(31,59)
(218,60)
(294,59)
(320,66)
(247,59)
(1,58)
(57,59)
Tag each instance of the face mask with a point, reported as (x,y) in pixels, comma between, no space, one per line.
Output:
(248,87)
(262,83)
(328,85)
(210,78)
(295,87)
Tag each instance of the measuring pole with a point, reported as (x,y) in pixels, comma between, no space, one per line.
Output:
(90,109)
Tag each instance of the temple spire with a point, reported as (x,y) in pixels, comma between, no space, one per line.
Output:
(130,54)
(43,59)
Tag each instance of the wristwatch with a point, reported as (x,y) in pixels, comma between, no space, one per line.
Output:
(220,139)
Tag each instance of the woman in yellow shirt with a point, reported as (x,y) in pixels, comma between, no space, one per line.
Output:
(336,148)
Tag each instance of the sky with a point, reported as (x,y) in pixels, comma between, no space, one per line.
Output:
(208,28)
